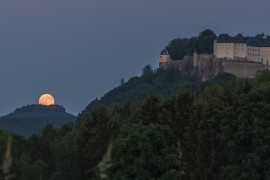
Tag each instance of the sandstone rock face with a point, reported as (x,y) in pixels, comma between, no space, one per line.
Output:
(207,66)
(185,65)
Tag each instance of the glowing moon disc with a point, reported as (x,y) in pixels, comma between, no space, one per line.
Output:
(46,100)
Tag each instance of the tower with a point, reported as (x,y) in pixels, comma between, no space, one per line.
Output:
(164,56)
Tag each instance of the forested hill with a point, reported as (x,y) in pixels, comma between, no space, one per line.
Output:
(31,119)
(217,132)
(39,110)
(160,82)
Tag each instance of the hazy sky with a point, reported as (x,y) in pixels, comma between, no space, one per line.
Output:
(77,50)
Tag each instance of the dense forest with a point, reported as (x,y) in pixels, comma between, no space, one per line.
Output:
(215,131)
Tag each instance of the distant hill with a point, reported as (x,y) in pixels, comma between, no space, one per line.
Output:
(31,119)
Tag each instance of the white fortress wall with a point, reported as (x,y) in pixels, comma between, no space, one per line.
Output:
(253,54)
(240,50)
(265,55)
(225,50)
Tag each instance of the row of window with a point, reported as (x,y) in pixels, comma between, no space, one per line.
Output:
(230,44)
(249,49)
(253,54)
(238,49)
(253,50)
(239,44)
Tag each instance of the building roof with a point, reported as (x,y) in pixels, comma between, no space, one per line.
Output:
(258,42)
(250,41)
(240,40)
(164,52)
(225,38)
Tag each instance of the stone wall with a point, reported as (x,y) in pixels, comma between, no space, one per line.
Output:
(242,70)
(185,65)
(207,66)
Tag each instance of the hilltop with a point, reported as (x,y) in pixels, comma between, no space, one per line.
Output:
(31,119)
(208,55)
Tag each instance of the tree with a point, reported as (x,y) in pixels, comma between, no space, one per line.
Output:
(177,110)
(201,150)
(147,74)
(239,35)
(122,81)
(147,70)
(149,110)
(94,135)
(180,47)
(206,33)
(65,153)
(144,152)
(263,77)
(245,138)
(205,41)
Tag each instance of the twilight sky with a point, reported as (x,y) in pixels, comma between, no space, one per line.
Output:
(77,50)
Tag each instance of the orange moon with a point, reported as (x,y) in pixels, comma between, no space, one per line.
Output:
(46,100)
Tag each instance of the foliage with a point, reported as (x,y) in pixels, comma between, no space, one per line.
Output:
(245,136)
(180,47)
(217,131)
(161,125)
(95,133)
(159,82)
(144,152)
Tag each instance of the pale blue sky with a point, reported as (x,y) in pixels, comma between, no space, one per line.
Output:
(77,50)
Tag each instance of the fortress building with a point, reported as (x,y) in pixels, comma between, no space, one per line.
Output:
(256,49)
(242,56)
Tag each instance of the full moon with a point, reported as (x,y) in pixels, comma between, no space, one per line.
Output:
(46,100)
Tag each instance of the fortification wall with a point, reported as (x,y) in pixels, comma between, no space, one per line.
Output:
(185,65)
(242,70)
(207,66)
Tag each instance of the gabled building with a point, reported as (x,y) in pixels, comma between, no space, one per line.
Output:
(256,49)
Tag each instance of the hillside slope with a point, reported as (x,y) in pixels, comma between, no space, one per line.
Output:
(160,82)
(31,119)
